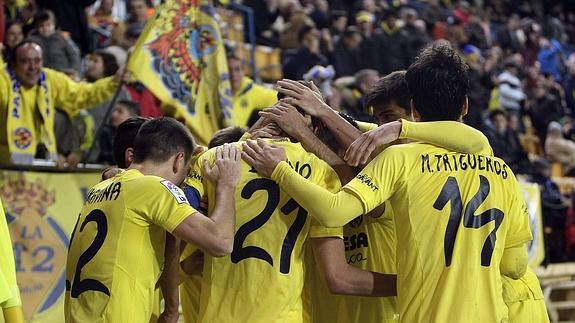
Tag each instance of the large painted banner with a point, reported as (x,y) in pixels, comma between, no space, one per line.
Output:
(42,209)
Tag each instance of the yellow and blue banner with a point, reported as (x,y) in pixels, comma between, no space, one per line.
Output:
(181,58)
(41,211)
(536,248)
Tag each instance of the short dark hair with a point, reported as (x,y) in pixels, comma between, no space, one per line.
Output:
(391,87)
(44,15)
(124,139)
(132,106)
(306,29)
(226,135)
(438,81)
(350,31)
(496,112)
(109,60)
(159,139)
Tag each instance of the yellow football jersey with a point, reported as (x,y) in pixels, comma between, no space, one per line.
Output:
(116,251)
(249,99)
(524,299)
(370,245)
(455,214)
(262,280)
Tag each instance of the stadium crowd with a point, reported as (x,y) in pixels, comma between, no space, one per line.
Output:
(521,92)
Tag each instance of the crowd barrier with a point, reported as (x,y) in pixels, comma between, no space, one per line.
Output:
(42,207)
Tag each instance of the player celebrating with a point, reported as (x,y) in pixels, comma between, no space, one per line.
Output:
(117,247)
(433,191)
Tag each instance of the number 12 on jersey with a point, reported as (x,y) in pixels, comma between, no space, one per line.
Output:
(451,193)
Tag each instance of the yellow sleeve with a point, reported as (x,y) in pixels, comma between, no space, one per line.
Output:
(452,135)
(170,205)
(376,182)
(9,292)
(329,209)
(72,96)
(329,180)
(365,126)
(88,139)
(518,231)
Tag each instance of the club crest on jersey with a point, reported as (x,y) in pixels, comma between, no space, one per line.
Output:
(176,192)
(38,241)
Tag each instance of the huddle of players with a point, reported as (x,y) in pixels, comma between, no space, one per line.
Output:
(276,249)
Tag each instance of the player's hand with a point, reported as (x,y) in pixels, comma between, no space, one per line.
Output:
(310,100)
(287,118)
(226,168)
(270,130)
(168,317)
(263,157)
(361,149)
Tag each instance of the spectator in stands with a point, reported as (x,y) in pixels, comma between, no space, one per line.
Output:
(355,97)
(58,52)
(505,142)
(346,57)
(392,43)
(558,149)
(289,37)
(12,37)
(553,207)
(101,64)
(123,110)
(550,58)
(306,57)
(337,25)
(74,136)
(71,17)
(266,12)
(544,108)
(320,14)
(510,37)
(137,18)
(103,20)
(30,95)
(511,95)
(369,42)
(248,97)
(415,35)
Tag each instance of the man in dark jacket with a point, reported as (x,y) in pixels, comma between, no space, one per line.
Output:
(346,54)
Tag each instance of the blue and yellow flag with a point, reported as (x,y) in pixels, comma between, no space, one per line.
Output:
(181,58)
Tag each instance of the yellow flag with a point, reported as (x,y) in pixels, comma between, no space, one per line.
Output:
(181,58)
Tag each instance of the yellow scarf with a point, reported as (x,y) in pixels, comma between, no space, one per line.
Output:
(22,140)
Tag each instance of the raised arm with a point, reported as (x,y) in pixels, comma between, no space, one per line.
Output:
(452,135)
(294,124)
(312,102)
(215,234)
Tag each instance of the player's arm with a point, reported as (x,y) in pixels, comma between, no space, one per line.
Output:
(515,258)
(452,135)
(312,102)
(169,281)
(294,124)
(342,278)
(331,210)
(514,262)
(215,234)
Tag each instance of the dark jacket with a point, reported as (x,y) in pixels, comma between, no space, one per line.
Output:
(58,53)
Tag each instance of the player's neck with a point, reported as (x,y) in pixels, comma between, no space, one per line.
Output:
(163,170)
